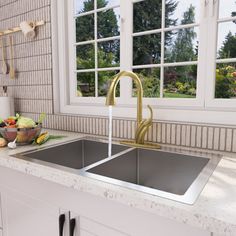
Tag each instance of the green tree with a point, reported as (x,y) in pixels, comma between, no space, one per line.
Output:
(183,48)
(150,82)
(182,79)
(107,26)
(85,24)
(147,16)
(223,88)
(225,73)
(108,52)
(225,81)
(87,78)
(228,49)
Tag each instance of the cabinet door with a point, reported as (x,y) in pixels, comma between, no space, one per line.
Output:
(25,216)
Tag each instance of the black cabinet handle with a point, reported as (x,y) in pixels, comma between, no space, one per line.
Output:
(72,227)
(62,219)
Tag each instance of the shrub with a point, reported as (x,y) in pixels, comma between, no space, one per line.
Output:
(225,82)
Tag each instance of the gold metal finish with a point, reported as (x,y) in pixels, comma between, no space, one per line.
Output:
(142,125)
(137,145)
(110,101)
(16,29)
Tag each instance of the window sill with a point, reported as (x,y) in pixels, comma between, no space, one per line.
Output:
(167,114)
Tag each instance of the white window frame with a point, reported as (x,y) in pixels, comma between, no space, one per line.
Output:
(202,109)
(211,102)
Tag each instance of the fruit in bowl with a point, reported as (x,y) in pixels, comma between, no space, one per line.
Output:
(3,142)
(21,128)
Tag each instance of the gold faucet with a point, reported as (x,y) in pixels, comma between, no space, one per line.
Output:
(142,125)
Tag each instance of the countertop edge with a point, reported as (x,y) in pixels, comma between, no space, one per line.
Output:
(152,204)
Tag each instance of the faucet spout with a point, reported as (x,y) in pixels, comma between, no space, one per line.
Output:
(142,125)
(110,100)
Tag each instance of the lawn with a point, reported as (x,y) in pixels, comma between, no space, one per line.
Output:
(177,95)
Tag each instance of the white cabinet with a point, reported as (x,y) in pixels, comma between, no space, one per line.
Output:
(32,206)
(26,216)
(88,227)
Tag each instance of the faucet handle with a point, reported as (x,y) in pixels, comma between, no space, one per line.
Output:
(151,112)
(143,127)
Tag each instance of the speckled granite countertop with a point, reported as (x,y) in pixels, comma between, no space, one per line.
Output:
(214,210)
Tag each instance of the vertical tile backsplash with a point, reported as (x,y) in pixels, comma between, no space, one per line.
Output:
(33,89)
(188,135)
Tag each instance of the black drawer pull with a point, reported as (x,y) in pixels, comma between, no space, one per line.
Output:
(72,227)
(62,219)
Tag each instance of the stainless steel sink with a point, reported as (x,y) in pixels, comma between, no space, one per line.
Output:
(75,154)
(170,173)
(166,173)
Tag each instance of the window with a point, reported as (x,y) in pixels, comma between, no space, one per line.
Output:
(165,47)
(221,74)
(97,30)
(183,51)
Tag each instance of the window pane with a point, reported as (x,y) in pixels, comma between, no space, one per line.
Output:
(150,78)
(108,23)
(147,15)
(227,8)
(86,84)
(182,12)
(85,28)
(83,6)
(226,46)
(109,54)
(85,57)
(108,3)
(147,49)
(225,80)
(182,45)
(180,81)
(104,82)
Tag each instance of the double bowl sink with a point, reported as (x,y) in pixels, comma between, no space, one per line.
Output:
(169,173)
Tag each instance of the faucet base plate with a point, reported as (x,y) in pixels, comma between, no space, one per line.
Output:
(137,145)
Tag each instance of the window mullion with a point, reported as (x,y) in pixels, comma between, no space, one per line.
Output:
(210,62)
(71,85)
(126,48)
(202,65)
(162,48)
(96,48)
